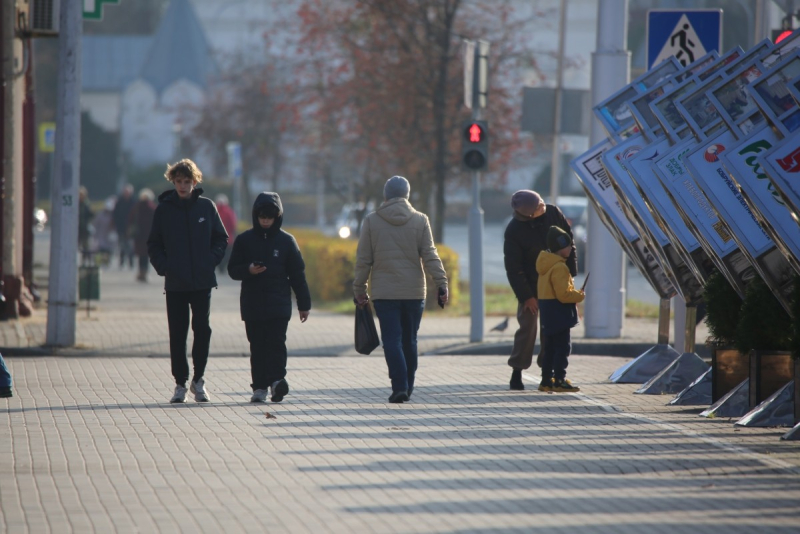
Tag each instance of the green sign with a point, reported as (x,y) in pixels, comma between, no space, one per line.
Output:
(93,9)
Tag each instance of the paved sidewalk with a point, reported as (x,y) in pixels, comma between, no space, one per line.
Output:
(89,442)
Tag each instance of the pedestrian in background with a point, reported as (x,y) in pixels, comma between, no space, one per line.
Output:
(103,224)
(395,244)
(122,210)
(85,215)
(140,222)
(268,262)
(525,237)
(186,243)
(228,217)
(5,380)
(557,309)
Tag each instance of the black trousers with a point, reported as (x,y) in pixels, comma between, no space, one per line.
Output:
(178,305)
(555,354)
(267,351)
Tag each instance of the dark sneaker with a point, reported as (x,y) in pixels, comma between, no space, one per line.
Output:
(6,393)
(565,386)
(398,397)
(516,380)
(546,385)
(410,391)
(280,389)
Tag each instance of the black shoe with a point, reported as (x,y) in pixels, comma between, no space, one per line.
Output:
(398,397)
(565,386)
(410,390)
(6,393)
(279,390)
(516,380)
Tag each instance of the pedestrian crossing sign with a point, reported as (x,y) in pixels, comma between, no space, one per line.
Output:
(687,34)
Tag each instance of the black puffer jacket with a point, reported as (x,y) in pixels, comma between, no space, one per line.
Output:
(187,241)
(268,295)
(525,238)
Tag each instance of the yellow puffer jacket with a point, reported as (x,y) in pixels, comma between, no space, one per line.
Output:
(557,294)
(395,242)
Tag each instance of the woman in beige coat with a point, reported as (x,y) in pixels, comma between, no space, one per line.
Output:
(395,243)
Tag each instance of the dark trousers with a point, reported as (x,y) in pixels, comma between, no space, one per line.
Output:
(5,374)
(144,264)
(399,321)
(178,305)
(267,351)
(555,353)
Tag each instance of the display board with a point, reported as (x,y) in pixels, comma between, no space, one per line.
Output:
(766,202)
(597,185)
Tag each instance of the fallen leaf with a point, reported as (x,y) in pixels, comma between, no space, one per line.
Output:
(269,415)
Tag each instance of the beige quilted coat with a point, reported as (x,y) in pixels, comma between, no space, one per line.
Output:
(395,243)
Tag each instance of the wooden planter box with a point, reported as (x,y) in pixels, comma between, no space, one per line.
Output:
(729,368)
(769,371)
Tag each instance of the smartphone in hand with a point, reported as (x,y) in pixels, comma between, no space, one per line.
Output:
(439,298)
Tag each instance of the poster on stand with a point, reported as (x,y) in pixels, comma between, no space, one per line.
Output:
(592,175)
(741,162)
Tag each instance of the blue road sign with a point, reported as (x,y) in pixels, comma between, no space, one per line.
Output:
(688,34)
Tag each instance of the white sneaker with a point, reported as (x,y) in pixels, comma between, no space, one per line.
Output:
(199,390)
(179,395)
(259,395)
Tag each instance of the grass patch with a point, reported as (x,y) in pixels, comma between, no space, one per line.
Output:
(499,300)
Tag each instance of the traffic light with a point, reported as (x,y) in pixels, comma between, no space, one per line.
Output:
(787,27)
(475,145)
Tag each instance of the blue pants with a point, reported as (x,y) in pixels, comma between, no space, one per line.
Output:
(555,351)
(5,375)
(399,321)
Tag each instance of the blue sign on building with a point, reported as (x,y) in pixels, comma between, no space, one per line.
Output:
(687,34)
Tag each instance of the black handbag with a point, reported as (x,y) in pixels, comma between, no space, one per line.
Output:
(366,336)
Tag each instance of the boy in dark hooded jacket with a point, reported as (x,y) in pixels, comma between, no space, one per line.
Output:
(186,242)
(268,262)
(557,309)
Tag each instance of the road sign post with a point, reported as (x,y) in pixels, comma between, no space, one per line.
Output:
(687,34)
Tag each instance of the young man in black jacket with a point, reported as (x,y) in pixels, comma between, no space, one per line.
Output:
(268,262)
(525,238)
(186,243)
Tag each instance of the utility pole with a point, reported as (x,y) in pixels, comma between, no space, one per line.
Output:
(62,297)
(555,165)
(605,303)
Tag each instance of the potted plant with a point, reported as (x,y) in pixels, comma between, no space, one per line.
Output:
(765,334)
(729,367)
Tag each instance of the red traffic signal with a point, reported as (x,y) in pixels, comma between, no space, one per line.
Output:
(475,133)
(475,145)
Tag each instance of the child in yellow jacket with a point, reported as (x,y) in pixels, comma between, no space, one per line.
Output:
(557,310)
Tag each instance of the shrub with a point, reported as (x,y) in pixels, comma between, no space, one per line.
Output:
(763,322)
(722,310)
(330,266)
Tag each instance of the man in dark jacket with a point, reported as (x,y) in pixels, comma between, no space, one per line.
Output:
(525,238)
(186,243)
(268,262)
(120,216)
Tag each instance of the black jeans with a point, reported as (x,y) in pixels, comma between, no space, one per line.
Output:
(267,351)
(555,353)
(178,305)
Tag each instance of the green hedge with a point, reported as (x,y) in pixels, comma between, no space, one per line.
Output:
(330,266)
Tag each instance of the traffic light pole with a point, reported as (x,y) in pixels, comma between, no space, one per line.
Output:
(476,260)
